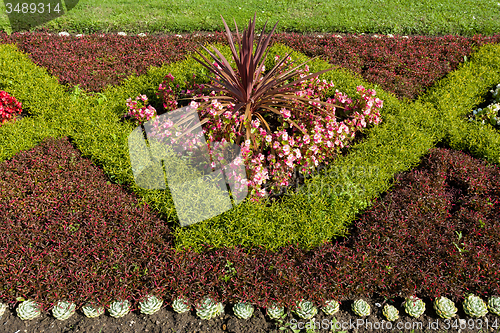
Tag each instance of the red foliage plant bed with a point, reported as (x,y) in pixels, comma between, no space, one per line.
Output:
(95,62)
(404,66)
(67,233)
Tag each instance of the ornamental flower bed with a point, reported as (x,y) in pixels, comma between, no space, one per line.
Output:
(436,233)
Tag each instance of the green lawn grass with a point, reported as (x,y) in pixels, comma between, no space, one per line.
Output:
(406,17)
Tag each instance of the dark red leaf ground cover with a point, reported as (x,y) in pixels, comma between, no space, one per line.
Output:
(59,216)
(404,66)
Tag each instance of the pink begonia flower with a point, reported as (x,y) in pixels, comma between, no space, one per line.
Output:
(269,138)
(286,149)
(286,113)
(314,148)
(317,138)
(255,123)
(194,104)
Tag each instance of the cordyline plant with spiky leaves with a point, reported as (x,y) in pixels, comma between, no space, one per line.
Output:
(246,87)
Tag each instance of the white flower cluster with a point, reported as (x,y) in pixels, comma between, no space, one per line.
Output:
(67,34)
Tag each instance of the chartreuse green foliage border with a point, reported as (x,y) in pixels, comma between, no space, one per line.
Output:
(459,93)
(324,207)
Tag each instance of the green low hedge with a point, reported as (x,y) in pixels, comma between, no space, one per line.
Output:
(41,96)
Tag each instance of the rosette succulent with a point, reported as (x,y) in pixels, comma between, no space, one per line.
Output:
(28,310)
(63,310)
(493,305)
(3,307)
(330,307)
(474,306)
(306,310)
(91,312)
(181,305)
(361,308)
(275,311)
(150,305)
(209,309)
(414,306)
(243,310)
(445,308)
(390,312)
(118,309)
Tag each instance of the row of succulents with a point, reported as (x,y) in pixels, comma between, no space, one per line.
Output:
(473,306)
(208,309)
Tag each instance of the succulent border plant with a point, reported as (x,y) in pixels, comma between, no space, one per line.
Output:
(361,308)
(331,307)
(3,307)
(91,312)
(63,310)
(118,309)
(414,306)
(390,312)
(474,306)
(209,309)
(243,310)
(181,305)
(274,311)
(150,305)
(28,310)
(494,304)
(245,88)
(306,309)
(445,308)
